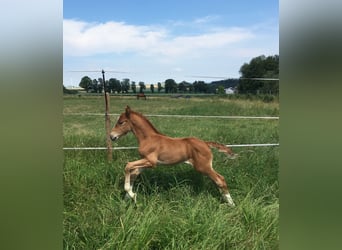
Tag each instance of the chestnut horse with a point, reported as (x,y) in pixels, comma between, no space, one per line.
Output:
(141,95)
(156,148)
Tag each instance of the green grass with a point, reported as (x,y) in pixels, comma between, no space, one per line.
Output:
(177,208)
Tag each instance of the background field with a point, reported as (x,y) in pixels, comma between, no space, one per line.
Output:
(177,208)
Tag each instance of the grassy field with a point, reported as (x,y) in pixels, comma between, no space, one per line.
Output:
(177,208)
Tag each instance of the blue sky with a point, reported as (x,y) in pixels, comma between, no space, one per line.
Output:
(156,40)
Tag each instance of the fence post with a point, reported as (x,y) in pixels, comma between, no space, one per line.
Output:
(107,121)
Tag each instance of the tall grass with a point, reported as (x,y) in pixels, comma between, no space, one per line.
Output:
(165,105)
(177,208)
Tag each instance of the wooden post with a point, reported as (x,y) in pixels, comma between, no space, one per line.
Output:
(107,121)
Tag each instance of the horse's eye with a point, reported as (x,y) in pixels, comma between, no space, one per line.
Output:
(121,122)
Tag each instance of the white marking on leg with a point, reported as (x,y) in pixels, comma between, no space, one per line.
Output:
(127,186)
(127,182)
(128,189)
(188,162)
(132,195)
(229,199)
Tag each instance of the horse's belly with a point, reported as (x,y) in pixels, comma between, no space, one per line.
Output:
(172,158)
(173,151)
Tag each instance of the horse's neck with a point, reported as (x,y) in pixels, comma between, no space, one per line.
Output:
(142,128)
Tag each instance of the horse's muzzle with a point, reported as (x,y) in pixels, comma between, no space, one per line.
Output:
(114,137)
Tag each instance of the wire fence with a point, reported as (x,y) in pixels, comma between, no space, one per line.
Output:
(127,148)
(186,116)
(180,116)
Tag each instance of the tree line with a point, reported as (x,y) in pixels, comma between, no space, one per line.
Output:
(258,67)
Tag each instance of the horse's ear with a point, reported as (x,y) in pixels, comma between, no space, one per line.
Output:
(128,111)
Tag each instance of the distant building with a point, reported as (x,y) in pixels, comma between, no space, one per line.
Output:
(229,91)
(74,88)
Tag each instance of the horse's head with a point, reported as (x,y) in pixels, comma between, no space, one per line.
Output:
(122,126)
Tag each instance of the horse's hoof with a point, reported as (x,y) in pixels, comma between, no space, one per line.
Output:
(231,204)
(229,200)
(131,196)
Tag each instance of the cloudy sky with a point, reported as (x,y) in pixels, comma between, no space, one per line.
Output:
(154,40)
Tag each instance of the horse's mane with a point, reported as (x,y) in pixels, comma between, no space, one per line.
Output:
(146,120)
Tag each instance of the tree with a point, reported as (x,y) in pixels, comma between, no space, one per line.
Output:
(191,88)
(159,87)
(117,86)
(170,86)
(226,83)
(107,87)
(100,85)
(183,86)
(142,87)
(114,85)
(152,88)
(86,83)
(125,85)
(259,67)
(94,86)
(200,86)
(220,90)
(134,87)
(111,83)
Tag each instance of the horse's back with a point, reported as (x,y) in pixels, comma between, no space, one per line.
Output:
(198,146)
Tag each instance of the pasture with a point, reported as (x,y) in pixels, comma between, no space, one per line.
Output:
(177,208)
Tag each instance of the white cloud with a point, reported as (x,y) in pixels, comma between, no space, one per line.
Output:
(206,19)
(84,39)
(209,40)
(154,53)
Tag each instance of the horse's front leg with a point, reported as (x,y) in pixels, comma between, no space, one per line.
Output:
(129,182)
(129,186)
(132,170)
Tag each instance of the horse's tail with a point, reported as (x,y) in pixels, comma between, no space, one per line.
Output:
(222,148)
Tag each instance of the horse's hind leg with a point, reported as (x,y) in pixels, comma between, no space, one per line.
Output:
(219,181)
